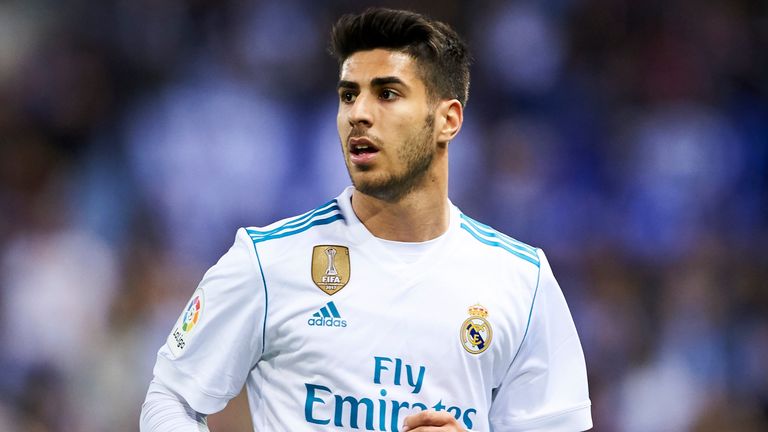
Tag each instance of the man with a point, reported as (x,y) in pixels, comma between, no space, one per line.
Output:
(386,308)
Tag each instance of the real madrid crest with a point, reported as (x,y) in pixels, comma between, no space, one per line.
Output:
(476,333)
(330,267)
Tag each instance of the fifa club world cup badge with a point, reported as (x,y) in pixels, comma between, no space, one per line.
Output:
(330,267)
(476,333)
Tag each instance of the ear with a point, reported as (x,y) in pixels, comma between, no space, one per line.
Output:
(449,116)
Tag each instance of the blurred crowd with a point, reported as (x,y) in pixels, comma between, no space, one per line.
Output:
(627,138)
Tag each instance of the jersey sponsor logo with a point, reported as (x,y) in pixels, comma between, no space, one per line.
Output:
(189,319)
(383,408)
(330,267)
(327,316)
(476,333)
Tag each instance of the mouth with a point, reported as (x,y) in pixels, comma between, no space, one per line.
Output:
(361,145)
(361,150)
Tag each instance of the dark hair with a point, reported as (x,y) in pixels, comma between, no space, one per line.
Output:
(441,55)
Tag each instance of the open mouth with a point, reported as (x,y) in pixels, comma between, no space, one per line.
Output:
(361,149)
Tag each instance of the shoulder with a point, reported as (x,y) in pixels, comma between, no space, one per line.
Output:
(297,226)
(493,242)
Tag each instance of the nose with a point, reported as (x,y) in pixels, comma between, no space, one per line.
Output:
(359,113)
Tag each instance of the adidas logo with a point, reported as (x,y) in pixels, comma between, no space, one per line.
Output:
(327,316)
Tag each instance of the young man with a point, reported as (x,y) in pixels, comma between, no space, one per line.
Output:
(386,308)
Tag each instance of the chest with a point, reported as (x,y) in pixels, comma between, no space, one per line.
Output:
(444,325)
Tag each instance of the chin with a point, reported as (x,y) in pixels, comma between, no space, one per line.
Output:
(367,184)
(384,188)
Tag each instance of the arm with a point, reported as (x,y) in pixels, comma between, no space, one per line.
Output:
(217,339)
(164,410)
(545,388)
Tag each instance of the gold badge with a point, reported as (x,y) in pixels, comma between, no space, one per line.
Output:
(476,333)
(330,267)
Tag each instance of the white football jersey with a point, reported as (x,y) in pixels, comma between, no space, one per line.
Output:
(334,329)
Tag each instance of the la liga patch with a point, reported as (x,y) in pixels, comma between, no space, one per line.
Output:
(192,314)
(179,338)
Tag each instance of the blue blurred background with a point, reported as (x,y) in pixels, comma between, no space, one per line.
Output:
(628,139)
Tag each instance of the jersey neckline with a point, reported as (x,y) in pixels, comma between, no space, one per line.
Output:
(431,251)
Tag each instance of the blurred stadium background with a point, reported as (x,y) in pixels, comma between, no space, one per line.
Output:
(627,138)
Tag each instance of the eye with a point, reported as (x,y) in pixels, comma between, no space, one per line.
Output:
(388,94)
(347,96)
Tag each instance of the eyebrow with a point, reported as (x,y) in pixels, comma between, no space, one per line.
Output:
(348,84)
(376,82)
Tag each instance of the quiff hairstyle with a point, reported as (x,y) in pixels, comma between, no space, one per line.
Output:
(442,57)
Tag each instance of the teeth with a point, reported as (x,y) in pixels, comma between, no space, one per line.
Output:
(361,148)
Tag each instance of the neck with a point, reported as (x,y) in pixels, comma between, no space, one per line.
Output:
(423,214)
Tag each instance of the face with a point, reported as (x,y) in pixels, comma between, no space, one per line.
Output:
(385,122)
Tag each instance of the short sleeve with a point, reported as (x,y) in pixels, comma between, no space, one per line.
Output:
(545,388)
(218,337)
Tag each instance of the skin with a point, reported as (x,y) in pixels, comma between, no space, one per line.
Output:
(431,421)
(401,191)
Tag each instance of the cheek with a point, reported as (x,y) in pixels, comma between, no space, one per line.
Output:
(341,125)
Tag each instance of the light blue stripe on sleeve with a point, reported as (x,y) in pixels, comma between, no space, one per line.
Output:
(490,232)
(266,301)
(299,220)
(502,245)
(530,314)
(260,238)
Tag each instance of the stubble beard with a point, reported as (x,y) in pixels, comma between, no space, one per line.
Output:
(416,154)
